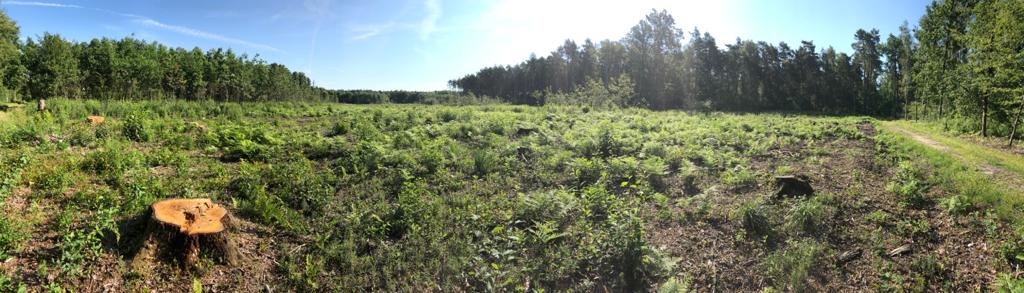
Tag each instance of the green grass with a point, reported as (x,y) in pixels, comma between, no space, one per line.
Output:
(969,150)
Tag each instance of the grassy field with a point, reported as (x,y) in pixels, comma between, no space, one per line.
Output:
(332,197)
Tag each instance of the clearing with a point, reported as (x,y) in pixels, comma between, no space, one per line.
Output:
(334,197)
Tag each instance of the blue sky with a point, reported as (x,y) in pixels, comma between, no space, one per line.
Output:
(421,44)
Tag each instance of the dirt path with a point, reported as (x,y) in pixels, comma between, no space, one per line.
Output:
(924,140)
(998,174)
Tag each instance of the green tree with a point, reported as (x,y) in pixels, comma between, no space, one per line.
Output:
(867,59)
(53,68)
(12,72)
(996,56)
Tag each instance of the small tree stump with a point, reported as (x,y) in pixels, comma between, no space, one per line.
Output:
(181,228)
(41,105)
(95,120)
(791,186)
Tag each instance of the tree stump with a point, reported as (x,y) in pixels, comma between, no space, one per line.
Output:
(181,228)
(95,120)
(41,105)
(791,186)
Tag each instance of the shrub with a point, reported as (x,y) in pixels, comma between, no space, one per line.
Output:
(139,192)
(341,128)
(136,129)
(54,180)
(754,219)
(586,171)
(599,203)
(431,159)
(907,184)
(552,205)
(299,184)
(413,207)
(622,171)
(240,142)
(366,158)
(112,162)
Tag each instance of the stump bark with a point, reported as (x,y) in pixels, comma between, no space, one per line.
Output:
(792,186)
(182,229)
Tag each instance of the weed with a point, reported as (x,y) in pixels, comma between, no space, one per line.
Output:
(78,246)
(112,162)
(790,267)
(738,177)
(13,235)
(806,217)
(957,204)
(1008,283)
(753,217)
(879,218)
(907,184)
(674,285)
(10,173)
(485,162)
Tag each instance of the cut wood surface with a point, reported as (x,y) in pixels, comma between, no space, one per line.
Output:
(95,120)
(191,216)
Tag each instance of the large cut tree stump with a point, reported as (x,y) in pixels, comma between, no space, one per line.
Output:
(182,228)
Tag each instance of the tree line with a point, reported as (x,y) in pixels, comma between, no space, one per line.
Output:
(961,64)
(666,73)
(133,69)
(129,68)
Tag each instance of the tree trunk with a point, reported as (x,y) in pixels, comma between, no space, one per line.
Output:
(1016,121)
(984,115)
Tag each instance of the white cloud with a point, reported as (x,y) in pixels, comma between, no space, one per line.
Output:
(363,32)
(432,12)
(204,35)
(42,4)
(429,23)
(154,23)
(320,9)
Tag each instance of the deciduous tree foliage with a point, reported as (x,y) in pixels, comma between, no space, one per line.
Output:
(668,72)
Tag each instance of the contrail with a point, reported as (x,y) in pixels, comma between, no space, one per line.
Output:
(153,23)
